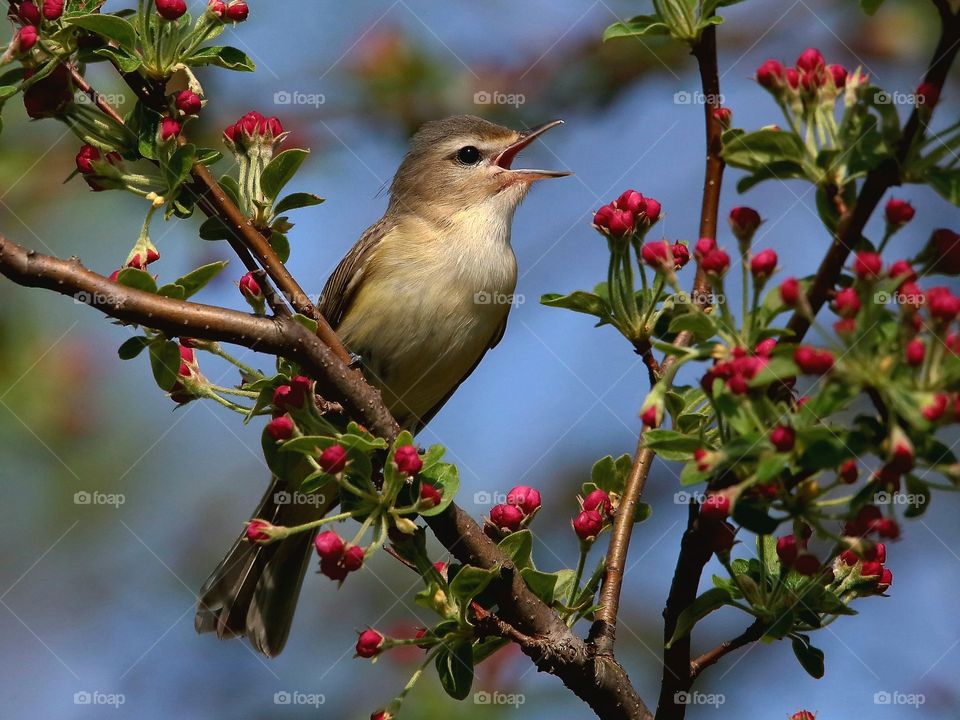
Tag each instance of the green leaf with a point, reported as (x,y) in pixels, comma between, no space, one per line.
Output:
(297,200)
(145,122)
(213,229)
(709,601)
(443,476)
(757,150)
(753,517)
(518,546)
(108,26)
(177,170)
(125,61)
(810,658)
(133,347)
(945,181)
(455,668)
(469,582)
(197,279)
(280,245)
(280,170)
(870,7)
(639,25)
(578,301)
(549,587)
(782,625)
(702,326)
(670,444)
(231,187)
(172,290)
(643,511)
(137,279)
(165,363)
(609,474)
(222,56)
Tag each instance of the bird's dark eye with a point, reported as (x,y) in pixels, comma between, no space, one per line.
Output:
(468,155)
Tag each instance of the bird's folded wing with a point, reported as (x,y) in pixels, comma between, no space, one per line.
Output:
(342,285)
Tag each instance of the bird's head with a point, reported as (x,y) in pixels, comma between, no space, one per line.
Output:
(463,162)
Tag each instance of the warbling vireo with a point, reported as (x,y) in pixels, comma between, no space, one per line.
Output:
(420,298)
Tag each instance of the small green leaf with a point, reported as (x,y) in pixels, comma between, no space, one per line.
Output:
(946,182)
(455,668)
(280,170)
(702,326)
(754,517)
(518,546)
(213,229)
(578,301)
(709,601)
(177,170)
(297,200)
(469,582)
(172,290)
(443,476)
(280,245)
(197,279)
(222,56)
(756,150)
(133,347)
(549,587)
(137,279)
(125,61)
(670,444)
(107,26)
(810,658)
(165,363)
(639,25)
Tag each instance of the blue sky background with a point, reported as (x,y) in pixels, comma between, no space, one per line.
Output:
(97,599)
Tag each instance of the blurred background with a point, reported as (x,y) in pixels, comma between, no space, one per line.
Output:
(99,598)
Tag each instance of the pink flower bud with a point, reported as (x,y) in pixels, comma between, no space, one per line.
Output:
(899,212)
(903,270)
(612,221)
(217,8)
(848,471)
(934,410)
(915,352)
(766,347)
(333,569)
(353,558)
(631,200)
(839,75)
(806,564)
(29,13)
(287,398)
(656,254)
(87,155)
(944,249)
(429,495)
(525,498)
(329,546)
(715,508)
(885,580)
(383,714)
(783,438)
(333,459)
(280,428)
(787,550)
(803,715)
(705,459)
(810,60)
(942,304)
(868,265)
(887,528)
(27,38)
(52,9)
(770,75)
(744,222)
(704,246)
(250,288)
(506,517)
(258,531)
(721,537)
(650,416)
(928,95)
(847,303)
(188,102)
(171,9)
(724,116)
(681,255)
(587,525)
(237,11)
(763,264)
(599,501)
(813,361)
(169,129)
(715,262)
(790,292)
(408,460)
(369,643)
(652,211)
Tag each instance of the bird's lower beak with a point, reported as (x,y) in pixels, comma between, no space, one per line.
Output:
(506,156)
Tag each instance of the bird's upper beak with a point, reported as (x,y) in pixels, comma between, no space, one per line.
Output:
(506,156)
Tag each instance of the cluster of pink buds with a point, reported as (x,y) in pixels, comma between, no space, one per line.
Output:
(253,129)
(793,553)
(31,19)
(811,79)
(869,519)
(522,504)
(597,510)
(234,11)
(739,368)
(870,562)
(628,214)
(292,396)
(713,260)
(662,256)
(337,558)
(86,157)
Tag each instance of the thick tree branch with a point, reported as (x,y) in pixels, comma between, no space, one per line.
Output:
(879,180)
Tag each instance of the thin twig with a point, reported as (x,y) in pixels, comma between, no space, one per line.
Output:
(748,636)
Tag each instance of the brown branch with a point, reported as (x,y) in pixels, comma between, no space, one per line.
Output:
(850,227)
(748,636)
(603,631)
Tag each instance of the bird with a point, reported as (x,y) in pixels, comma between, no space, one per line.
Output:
(418,301)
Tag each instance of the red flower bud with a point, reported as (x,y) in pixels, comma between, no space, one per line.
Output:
(587,525)
(839,75)
(928,95)
(787,550)
(766,347)
(868,265)
(216,7)
(935,409)
(812,361)
(237,11)
(506,517)
(806,564)
(715,508)
(846,303)
(885,580)
(383,714)
(258,531)
(944,249)
(169,129)
(286,397)
(846,327)
(783,438)
(656,254)
(763,264)
(681,255)
(705,459)
(704,246)
(903,270)
(333,459)
(353,558)
(721,536)
(770,75)
(85,157)
(171,9)
(793,78)
(407,460)
(525,498)
(27,38)
(652,211)
(943,305)
(790,291)
(899,212)
(280,428)
(599,501)
(887,528)
(715,262)
(631,200)
(724,116)
(612,221)
(369,643)
(429,495)
(188,102)
(803,715)
(744,222)
(52,9)
(848,471)
(329,546)
(810,60)
(250,288)
(29,13)
(649,416)
(915,352)
(333,569)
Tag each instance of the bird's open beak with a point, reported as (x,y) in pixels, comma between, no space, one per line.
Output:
(506,156)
